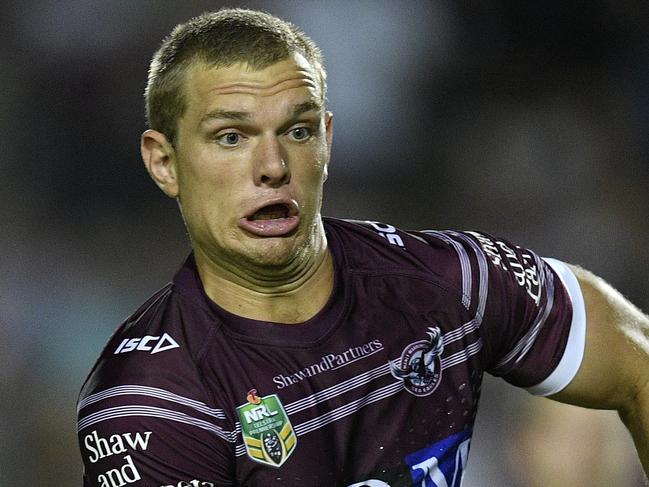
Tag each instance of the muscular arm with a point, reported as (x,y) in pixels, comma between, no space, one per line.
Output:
(615,370)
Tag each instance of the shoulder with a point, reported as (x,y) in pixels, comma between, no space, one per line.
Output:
(372,245)
(147,391)
(154,349)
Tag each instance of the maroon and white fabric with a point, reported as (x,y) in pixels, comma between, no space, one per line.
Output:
(381,387)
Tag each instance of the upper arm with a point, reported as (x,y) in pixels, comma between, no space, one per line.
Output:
(145,415)
(563,327)
(615,366)
(614,373)
(527,333)
(149,451)
(149,436)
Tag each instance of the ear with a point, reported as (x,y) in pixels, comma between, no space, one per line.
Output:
(329,128)
(159,159)
(329,133)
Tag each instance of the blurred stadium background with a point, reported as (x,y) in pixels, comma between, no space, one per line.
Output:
(528,120)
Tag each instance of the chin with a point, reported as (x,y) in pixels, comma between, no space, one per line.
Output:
(272,252)
(276,253)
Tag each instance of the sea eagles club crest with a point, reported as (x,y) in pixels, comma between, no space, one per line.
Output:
(267,432)
(420,366)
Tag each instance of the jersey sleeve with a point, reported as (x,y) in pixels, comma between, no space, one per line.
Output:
(533,319)
(142,424)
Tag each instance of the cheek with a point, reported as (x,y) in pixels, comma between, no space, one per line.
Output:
(201,177)
(318,157)
(319,168)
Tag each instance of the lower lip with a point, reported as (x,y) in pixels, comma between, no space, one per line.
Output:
(279,227)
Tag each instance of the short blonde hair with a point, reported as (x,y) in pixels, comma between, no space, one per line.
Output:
(219,39)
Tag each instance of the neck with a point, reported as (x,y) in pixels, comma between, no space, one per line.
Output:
(291,294)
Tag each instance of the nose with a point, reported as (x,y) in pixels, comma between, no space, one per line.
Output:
(270,163)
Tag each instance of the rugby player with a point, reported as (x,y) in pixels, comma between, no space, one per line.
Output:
(292,349)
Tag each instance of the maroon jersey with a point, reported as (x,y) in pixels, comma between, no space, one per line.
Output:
(380,388)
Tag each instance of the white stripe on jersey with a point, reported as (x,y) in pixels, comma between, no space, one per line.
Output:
(349,408)
(465,264)
(464,330)
(132,389)
(337,389)
(525,343)
(484,276)
(293,408)
(462,355)
(154,412)
(364,378)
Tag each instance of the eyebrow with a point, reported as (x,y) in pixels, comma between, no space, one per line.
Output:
(307,106)
(219,114)
(238,116)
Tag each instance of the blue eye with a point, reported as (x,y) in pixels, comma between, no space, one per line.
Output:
(229,139)
(301,133)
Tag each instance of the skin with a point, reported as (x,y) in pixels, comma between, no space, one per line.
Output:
(246,139)
(242,142)
(615,370)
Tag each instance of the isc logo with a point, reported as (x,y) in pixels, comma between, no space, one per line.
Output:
(151,344)
(388,232)
(257,413)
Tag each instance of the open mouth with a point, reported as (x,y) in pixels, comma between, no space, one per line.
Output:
(270,212)
(273,220)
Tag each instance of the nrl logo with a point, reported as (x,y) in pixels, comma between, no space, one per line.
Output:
(420,366)
(267,432)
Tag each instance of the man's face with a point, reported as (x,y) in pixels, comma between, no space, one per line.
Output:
(251,159)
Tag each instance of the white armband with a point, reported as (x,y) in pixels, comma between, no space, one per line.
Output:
(573,354)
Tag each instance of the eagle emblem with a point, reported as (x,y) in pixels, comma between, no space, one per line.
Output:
(419,366)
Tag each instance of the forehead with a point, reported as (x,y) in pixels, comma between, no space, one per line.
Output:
(293,78)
